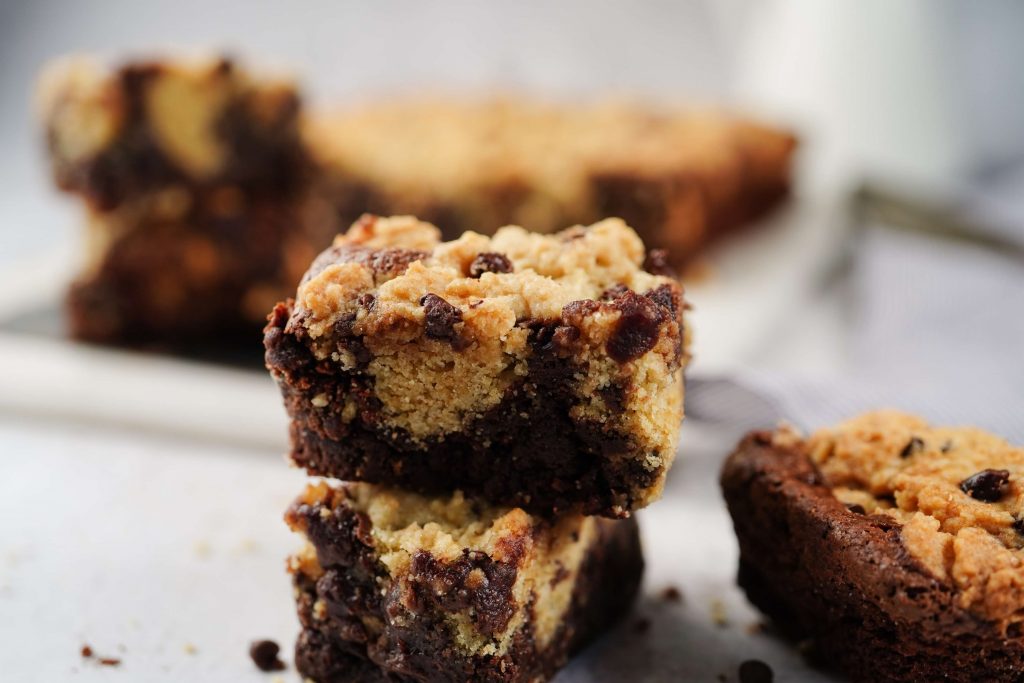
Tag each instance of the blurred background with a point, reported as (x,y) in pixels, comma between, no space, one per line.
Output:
(895,279)
(922,92)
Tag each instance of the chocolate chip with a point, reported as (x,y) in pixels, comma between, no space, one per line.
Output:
(657,263)
(367,301)
(636,331)
(614,292)
(756,671)
(264,655)
(668,297)
(913,446)
(856,508)
(987,486)
(489,262)
(441,317)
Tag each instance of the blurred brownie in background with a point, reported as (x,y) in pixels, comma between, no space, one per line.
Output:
(207,191)
(195,184)
(680,178)
(394,586)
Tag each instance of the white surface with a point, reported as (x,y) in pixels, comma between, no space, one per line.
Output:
(144,547)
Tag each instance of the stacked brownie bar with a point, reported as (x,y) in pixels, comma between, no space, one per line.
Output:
(480,397)
(194,180)
(680,178)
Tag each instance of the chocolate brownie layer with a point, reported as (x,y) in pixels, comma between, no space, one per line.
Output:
(840,543)
(681,179)
(397,587)
(542,371)
(116,134)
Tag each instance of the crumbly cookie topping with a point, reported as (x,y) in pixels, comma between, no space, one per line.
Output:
(957,491)
(447,336)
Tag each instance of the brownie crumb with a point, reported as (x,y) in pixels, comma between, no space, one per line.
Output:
(672,594)
(264,655)
(86,651)
(756,671)
(490,262)
(987,486)
(718,614)
(913,446)
(723,678)
(441,317)
(109,661)
(856,508)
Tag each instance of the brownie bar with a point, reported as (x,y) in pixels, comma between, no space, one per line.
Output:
(891,545)
(116,134)
(536,370)
(681,179)
(392,586)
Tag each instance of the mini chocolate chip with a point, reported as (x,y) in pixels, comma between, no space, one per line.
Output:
(441,317)
(756,671)
(987,486)
(666,296)
(264,655)
(490,262)
(657,263)
(86,651)
(367,301)
(672,594)
(856,508)
(913,446)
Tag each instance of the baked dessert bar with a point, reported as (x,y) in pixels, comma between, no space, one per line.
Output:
(536,370)
(116,134)
(199,215)
(680,178)
(392,586)
(895,546)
